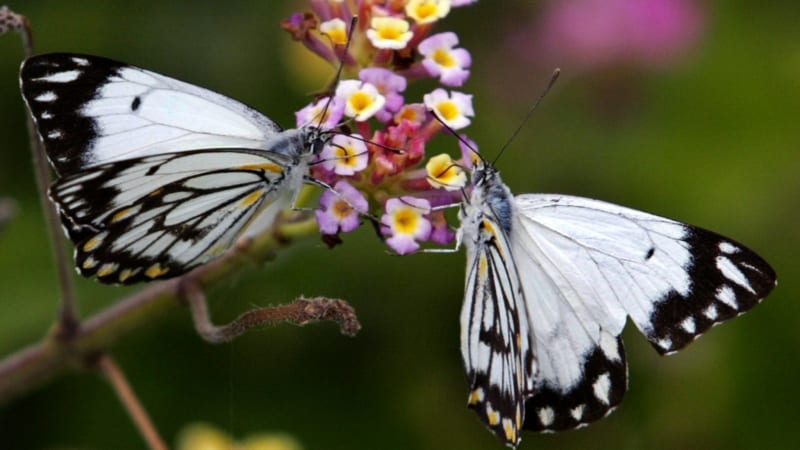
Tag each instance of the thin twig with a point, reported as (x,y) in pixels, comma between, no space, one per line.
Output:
(108,367)
(302,311)
(68,316)
(37,364)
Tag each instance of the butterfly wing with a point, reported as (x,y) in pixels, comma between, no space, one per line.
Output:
(495,340)
(160,216)
(91,110)
(586,265)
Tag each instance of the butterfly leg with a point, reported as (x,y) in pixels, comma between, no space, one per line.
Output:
(315,182)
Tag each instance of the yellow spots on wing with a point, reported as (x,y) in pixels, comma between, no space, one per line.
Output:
(89,263)
(518,418)
(489,227)
(266,167)
(156,270)
(476,396)
(251,199)
(217,250)
(107,269)
(94,242)
(483,266)
(155,192)
(509,430)
(125,213)
(492,416)
(126,273)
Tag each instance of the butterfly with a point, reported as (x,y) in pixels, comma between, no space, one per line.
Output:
(551,280)
(157,176)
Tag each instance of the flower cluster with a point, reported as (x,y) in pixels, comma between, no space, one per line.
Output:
(375,161)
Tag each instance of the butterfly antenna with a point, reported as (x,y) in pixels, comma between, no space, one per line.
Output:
(339,70)
(458,136)
(553,79)
(395,150)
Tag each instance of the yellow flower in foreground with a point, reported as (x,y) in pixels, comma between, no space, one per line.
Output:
(444,173)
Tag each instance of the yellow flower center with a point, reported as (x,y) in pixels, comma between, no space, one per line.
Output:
(448,110)
(405,221)
(342,209)
(360,101)
(426,10)
(444,173)
(338,37)
(408,114)
(444,58)
(336,30)
(346,156)
(390,32)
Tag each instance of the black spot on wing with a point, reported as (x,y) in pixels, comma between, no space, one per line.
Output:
(66,132)
(137,101)
(715,295)
(598,392)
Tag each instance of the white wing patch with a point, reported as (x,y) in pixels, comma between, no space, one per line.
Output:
(91,111)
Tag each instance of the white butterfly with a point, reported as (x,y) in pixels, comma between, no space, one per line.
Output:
(157,176)
(551,280)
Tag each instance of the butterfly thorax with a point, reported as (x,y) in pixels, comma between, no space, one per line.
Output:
(299,143)
(490,198)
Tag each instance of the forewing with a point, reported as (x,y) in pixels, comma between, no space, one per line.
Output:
(586,265)
(160,216)
(91,110)
(495,340)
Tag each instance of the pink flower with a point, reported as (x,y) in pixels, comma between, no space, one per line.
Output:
(587,33)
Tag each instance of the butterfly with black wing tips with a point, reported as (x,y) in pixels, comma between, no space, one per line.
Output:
(551,280)
(157,176)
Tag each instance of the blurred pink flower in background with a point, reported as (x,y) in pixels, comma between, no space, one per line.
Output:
(614,44)
(592,34)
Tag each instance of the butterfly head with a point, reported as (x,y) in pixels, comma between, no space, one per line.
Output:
(315,138)
(484,174)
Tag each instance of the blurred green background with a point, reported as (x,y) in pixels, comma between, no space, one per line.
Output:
(711,138)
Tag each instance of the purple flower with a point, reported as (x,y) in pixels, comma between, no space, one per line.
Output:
(443,61)
(311,114)
(469,151)
(405,223)
(389,85)
(441,234)
(341,212)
